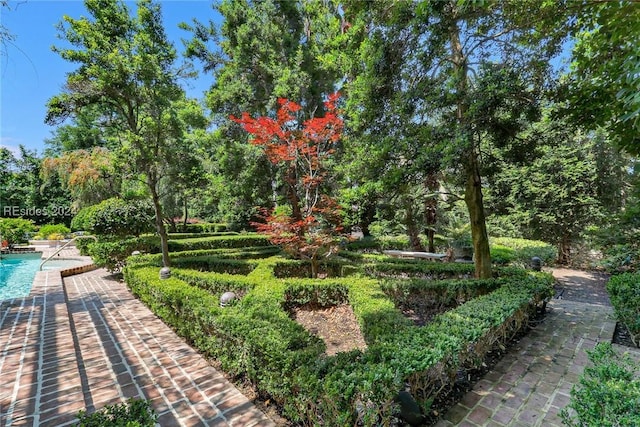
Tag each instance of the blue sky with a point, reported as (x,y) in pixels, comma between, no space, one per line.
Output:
(31,73)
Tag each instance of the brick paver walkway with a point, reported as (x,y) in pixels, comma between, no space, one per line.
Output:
(90,343)
(532,383)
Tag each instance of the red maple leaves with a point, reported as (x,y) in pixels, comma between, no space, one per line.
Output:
(313,227)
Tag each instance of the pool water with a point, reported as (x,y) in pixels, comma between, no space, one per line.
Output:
(17,272)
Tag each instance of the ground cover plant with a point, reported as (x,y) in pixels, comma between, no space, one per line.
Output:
(259,340)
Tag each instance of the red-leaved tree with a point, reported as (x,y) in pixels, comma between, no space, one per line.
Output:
(312,228)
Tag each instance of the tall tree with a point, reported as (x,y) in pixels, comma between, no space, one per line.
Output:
(127,67)
(562,191)
(602,86)
(262,51)
(441,49)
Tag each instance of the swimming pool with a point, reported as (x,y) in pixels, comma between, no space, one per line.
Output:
(17,272)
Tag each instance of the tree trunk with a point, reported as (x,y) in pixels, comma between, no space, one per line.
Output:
(412,227)
(473,187)
(314,267)
(162,232)
(367,217)
(292,194)
(564,250)
(186,214)
(473,199)
(431,210)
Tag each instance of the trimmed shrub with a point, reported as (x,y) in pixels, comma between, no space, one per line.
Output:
(624,292)
(524,250)
(203,227)
(257,339)
(53,231)
(117,217)
(113,254)
(502,255)
(608,393)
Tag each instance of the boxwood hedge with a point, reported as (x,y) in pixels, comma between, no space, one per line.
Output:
(624,291)
(258,340)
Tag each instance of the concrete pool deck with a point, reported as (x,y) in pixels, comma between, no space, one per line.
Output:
(84,341)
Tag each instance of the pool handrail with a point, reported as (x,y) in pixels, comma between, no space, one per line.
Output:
(64,246)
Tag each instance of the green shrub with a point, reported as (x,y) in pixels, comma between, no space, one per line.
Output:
(117,217)
(608,393)
(524,250)
(418,268)
(112,254)
(203,227)
(502,255)
(15,230)
(217,265)
(257,339)
(83,220)
(53,231)
(178,236)
(219,242)
(624,292)
(621,258)
(132,413)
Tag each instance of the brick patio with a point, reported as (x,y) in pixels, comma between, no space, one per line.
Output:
(89,343)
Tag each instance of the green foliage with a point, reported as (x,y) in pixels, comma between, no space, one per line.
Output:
(203,227)
(502,255)
(116,217)
(608,393)
(520,251)
(113,254)
(624,291)
(132,413)
(257,338)
(602,87)
(82,221)
(14,230)
(45,231)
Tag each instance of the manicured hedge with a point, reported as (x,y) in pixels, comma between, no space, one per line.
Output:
(438,292)
(624,292)
(203,227)
(178,236)
(521,251)
(419,268)
(113,254)
(257,338)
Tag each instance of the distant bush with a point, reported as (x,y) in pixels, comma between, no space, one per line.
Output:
(53,231)
(15,230)
(608,393)
(116,217)
(502,255)
(524,250)
(203,227)
(622,257)
(624,291)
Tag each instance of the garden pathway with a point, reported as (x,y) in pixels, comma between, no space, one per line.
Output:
(87,342)
(532,383)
